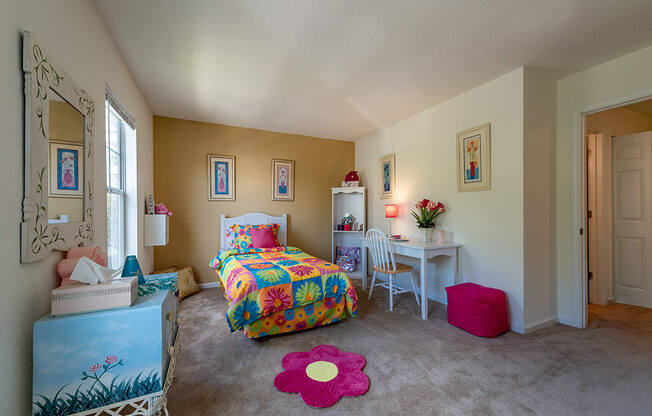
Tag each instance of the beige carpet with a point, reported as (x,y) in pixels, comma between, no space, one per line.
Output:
(422,367)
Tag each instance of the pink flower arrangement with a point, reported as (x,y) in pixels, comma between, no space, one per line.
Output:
(110,359)
(95,367)
(427,213)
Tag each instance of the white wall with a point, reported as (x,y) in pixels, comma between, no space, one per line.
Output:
(489,224)
(73,32)
(627,76)
(538,190)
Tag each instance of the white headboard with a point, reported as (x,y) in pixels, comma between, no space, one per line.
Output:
(254,218)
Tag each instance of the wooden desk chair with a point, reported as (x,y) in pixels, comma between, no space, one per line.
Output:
(382,257)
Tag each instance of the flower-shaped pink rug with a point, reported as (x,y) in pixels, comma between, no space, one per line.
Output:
(323,375)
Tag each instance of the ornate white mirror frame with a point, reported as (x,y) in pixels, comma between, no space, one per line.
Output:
(42,77)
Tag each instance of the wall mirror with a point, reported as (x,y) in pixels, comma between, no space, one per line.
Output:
(59,126)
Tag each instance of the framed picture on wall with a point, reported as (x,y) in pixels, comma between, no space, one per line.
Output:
(66,170)
(221,178)
(474,159)
(282,180)
(387,176)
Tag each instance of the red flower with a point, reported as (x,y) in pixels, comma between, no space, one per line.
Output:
(354,297)
(95,367)
(280,320)
(323,375)
(301,271)
(110,359)
(329,303)
(276,300)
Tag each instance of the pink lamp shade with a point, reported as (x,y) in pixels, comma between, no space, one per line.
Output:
(391,211)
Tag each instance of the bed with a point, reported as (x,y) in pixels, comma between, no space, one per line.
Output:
(281,289)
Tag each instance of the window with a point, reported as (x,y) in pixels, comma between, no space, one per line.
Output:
(115,186)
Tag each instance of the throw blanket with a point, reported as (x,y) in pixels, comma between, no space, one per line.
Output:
(259,282)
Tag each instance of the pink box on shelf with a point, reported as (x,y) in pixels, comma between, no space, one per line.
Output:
(79,298)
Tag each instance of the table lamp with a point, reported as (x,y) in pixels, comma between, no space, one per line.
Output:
(391,212)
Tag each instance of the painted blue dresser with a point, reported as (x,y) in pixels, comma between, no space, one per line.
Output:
(92,360)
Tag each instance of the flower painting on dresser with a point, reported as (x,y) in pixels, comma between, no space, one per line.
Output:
(426,215)
(474,159)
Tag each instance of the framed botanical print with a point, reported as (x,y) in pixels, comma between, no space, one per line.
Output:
(221,178)
(66,170)
(282,180)
(387,176)
(474,159)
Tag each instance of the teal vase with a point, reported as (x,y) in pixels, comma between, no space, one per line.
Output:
(132,268)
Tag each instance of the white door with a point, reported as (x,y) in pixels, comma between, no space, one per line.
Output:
(632,219)
(591,217)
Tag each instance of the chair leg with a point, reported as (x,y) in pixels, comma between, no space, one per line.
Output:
(414,288)
(371,288)
(391,293)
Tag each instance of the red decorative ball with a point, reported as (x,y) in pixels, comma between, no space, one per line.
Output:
(352,176)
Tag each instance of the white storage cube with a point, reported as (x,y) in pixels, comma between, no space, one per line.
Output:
(157,231)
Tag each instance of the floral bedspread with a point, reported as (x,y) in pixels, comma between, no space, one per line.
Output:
(259,282)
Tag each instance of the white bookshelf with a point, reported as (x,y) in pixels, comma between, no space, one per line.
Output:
(353,201)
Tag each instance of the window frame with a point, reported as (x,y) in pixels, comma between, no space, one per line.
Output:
(110,189)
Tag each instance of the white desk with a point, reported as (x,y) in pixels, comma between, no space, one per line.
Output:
(420,250)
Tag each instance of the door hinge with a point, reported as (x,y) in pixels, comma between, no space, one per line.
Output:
(589,214)
(590,275)
(581,231)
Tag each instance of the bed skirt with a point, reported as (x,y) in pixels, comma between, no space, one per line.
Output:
(316,314)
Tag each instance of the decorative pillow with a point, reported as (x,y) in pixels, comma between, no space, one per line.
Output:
(240,235)
(187,284)
(263,238)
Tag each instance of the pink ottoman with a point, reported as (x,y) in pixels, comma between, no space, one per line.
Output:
(479,310)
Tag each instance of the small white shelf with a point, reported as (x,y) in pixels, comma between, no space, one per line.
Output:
(157,230)
(352,200)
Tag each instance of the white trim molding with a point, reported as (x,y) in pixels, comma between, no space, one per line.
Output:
(578,200)
(209,285)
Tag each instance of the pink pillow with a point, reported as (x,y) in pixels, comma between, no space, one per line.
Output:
(263,237)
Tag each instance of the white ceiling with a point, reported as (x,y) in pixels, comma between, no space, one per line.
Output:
(344,69)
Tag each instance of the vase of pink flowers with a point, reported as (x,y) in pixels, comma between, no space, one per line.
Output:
(426,215)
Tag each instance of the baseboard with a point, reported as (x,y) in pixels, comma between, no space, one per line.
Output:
(518,328)
(569,322)
(540,324)
(208,285)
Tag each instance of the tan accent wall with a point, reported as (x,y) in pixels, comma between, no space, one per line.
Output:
(66,125)
(621,121)
(181,149)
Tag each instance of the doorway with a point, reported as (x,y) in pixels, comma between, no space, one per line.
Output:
(618,192)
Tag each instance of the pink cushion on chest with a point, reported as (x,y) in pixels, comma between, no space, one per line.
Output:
(263,237)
